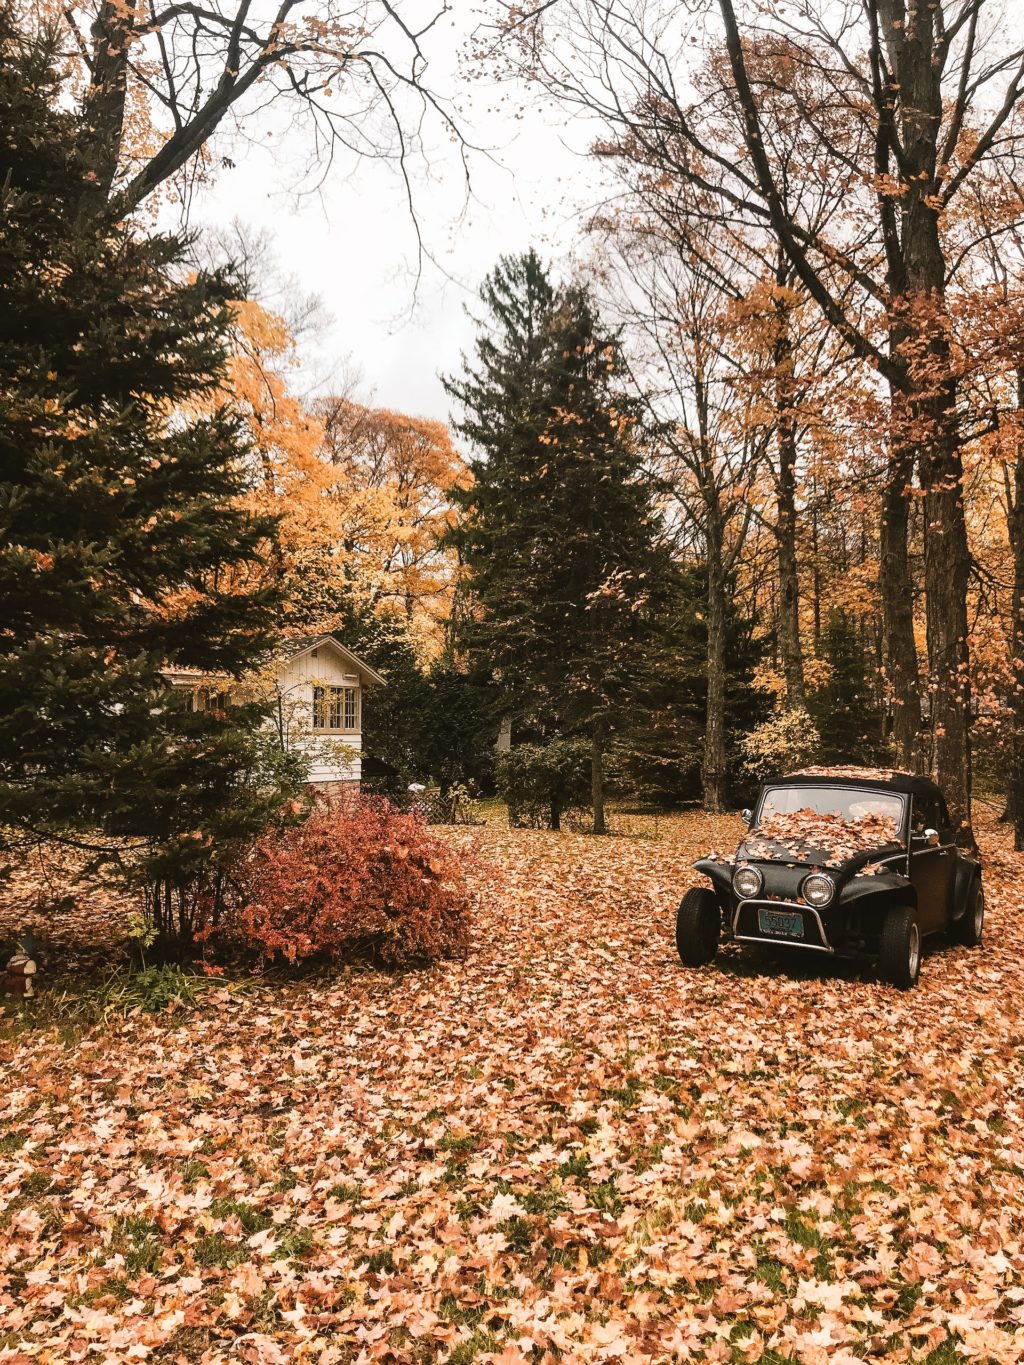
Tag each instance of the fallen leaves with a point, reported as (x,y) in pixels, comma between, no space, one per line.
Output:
(809,836)
(565,1146)
(849,771)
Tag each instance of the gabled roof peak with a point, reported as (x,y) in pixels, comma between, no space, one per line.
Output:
(295,645)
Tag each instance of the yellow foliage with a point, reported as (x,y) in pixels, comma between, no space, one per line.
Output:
(361,494)
(397,473)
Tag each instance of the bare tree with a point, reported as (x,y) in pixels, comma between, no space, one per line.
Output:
(785,356)
(159,80)
(930,91)
(678,319)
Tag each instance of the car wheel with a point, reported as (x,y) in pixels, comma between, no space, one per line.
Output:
(698,927)
(899,958)
(969,928)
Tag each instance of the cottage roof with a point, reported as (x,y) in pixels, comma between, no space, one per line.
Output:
(301,644)
(291,648)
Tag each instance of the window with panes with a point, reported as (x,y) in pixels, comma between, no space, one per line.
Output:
(336,709)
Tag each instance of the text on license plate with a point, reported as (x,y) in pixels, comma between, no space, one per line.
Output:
(781,922)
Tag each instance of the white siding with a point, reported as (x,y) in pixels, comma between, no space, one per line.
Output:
(333,757)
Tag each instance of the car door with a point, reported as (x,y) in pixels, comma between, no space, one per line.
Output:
(932,862)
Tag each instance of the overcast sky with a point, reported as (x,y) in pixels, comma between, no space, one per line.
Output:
(353,242)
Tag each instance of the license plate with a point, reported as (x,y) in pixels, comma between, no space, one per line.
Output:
(781,923)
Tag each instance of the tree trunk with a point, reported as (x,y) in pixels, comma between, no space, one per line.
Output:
(896,591)
(597,777)
(928,424)
(947,572)
(714,774)
(1015,524)
(790,649)
(103,108)
(917,281)
(786,524)
(815,573)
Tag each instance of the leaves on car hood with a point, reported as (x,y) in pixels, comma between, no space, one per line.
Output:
(808,836)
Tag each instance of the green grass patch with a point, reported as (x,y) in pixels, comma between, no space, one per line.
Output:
(452,1143)
(770,1272)
(606,1197)
(801,1232)
(576,1167)
(345,1193)
(294,1245)
(380,1262)
(214,1249)
(115,1287)
(628,1096)
(251,1219)
(944,1354)
(192,1172)
(135,1239)
(452,1311)
(467,1351)
(907,1299)
(518,1231)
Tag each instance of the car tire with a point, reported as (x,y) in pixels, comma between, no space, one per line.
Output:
(970,927)
(698,927)
(899,957)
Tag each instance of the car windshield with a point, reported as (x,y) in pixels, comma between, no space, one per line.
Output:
(841,821)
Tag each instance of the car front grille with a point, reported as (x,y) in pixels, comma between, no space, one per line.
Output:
(747,925)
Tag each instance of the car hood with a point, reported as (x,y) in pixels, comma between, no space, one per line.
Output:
(839,861)
(809,853)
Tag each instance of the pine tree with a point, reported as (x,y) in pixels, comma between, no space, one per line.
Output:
(117,515)
(560,532)
(661,750)
(844,709)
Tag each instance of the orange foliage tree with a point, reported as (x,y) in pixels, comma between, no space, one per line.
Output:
(360,494)
(397,473)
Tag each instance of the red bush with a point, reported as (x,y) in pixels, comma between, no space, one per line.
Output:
(358,878)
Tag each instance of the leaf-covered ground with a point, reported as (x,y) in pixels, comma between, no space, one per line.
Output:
(566,1147)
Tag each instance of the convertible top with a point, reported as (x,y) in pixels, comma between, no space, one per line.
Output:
(874,779)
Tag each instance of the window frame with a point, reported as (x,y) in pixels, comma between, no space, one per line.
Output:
(331,700)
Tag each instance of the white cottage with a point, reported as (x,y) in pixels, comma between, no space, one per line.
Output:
(317,687)
(320,687)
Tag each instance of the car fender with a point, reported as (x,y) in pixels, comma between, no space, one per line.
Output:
(880,892)
(967,869)
(720,876)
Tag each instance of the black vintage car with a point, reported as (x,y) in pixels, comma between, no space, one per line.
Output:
(851,861)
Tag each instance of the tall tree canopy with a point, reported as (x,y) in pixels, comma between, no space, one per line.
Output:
(119,514)
(905,106)
(561,533)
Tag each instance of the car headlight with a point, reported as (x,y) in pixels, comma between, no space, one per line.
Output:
(818,889)
(747,882)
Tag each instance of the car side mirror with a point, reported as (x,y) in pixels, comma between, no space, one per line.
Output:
(931,838)
(748,815)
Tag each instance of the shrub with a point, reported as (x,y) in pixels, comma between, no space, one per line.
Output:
(354,879)
(789,739)
(541,783)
